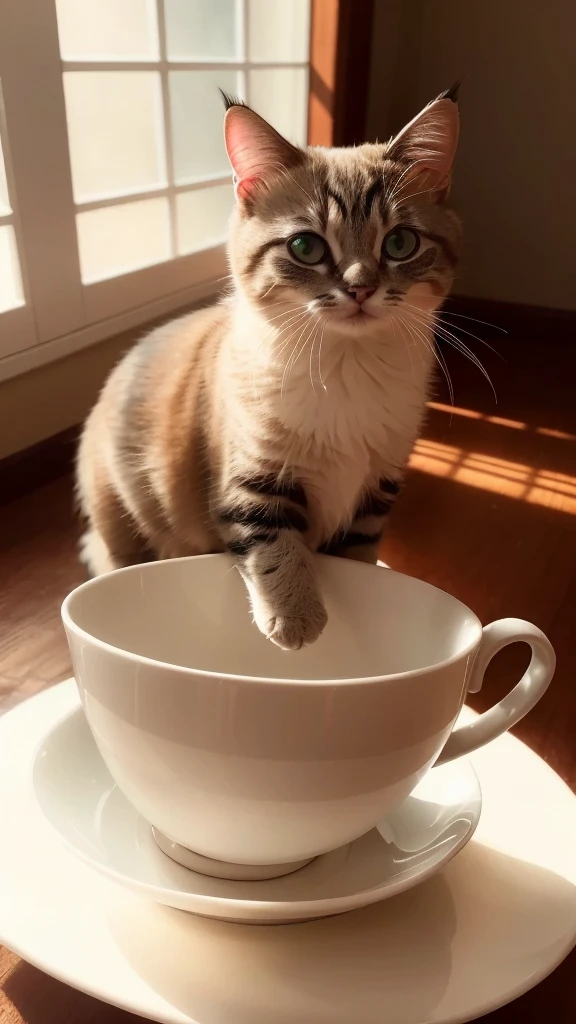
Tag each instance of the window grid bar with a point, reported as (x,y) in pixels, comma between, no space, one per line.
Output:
(243,31)
(11,218)
(5,163)
(167,123)
(164,65)
(170,191)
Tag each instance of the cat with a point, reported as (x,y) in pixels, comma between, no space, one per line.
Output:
(279,421)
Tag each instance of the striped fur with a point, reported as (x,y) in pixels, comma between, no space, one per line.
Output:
(279,422)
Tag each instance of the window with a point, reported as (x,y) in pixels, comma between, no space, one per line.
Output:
(11,295)
(115,189)
(14,312)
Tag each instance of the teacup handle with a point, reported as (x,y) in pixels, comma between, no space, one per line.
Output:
(519,701)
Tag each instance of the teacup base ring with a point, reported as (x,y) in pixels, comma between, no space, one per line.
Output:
(221,869)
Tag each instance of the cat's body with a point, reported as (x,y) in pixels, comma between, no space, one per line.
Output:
(280,421)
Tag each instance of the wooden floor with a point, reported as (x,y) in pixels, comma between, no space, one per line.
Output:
(488,513)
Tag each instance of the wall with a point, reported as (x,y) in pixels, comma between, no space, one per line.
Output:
(515,174)
(54,397)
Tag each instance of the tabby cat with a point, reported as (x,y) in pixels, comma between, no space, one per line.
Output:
(279,421)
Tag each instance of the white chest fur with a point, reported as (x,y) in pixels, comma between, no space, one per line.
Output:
(359,424)
(346,423)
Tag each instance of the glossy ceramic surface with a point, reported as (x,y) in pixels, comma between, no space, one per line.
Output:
(492,924)
(248,754)
(77,795)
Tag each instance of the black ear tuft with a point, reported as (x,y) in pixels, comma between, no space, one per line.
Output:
(451,93)
(231,101)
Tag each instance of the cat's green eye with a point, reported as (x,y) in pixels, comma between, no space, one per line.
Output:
(308,248)
(400,244)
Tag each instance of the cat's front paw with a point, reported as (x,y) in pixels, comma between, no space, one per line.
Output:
(291,632)
(286,604)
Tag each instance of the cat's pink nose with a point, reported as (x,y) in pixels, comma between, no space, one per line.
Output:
(361,294)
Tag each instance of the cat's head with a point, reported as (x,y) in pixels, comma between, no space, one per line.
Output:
(352,234)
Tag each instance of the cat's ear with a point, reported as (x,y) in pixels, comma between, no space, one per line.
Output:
(427,145)
(255,149)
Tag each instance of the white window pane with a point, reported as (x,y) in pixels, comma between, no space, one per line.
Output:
(115,131)
(107,29)
(200,29)
(117,239)
(202,217)
(10,280)
(4,200)
(197,114)
(281,96)
(279,30)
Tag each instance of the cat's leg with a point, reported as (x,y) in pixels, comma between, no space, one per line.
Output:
(280,579)
(262,522)
(361,541)
(94,553)
(112,540)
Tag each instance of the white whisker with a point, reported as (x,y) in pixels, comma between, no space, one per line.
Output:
(291,310)
(393,322)
(320,357)
(288,365)
(429,343)
(461,316)
(295,357)
(318,325)
(460,346)
(437,316)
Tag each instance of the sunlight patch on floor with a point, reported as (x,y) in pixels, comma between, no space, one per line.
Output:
(500,421)
(560,435)
(512,479)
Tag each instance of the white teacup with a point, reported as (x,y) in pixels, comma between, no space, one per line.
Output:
(260,759)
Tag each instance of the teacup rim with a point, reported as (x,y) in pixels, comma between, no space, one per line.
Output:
(142,659)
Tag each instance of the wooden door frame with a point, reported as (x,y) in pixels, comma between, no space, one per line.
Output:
(340,57)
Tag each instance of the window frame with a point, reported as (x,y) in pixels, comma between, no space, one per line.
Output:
(66,315)
(340,68)
(62,314)
(18,321)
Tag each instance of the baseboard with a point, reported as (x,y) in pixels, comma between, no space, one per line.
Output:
(41,464)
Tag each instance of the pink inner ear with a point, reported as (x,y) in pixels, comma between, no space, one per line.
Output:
(255,149)
(242,151)
(430,141)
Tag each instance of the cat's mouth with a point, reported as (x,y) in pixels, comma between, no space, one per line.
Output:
(358,317)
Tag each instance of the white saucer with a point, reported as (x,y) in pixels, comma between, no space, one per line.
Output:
(495,922)
(79,798)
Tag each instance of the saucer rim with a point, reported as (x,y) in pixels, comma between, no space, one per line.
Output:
(68,978)
(289,909)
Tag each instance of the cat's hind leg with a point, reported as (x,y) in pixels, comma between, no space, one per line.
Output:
(112,540)
(111,548)
(95,554)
